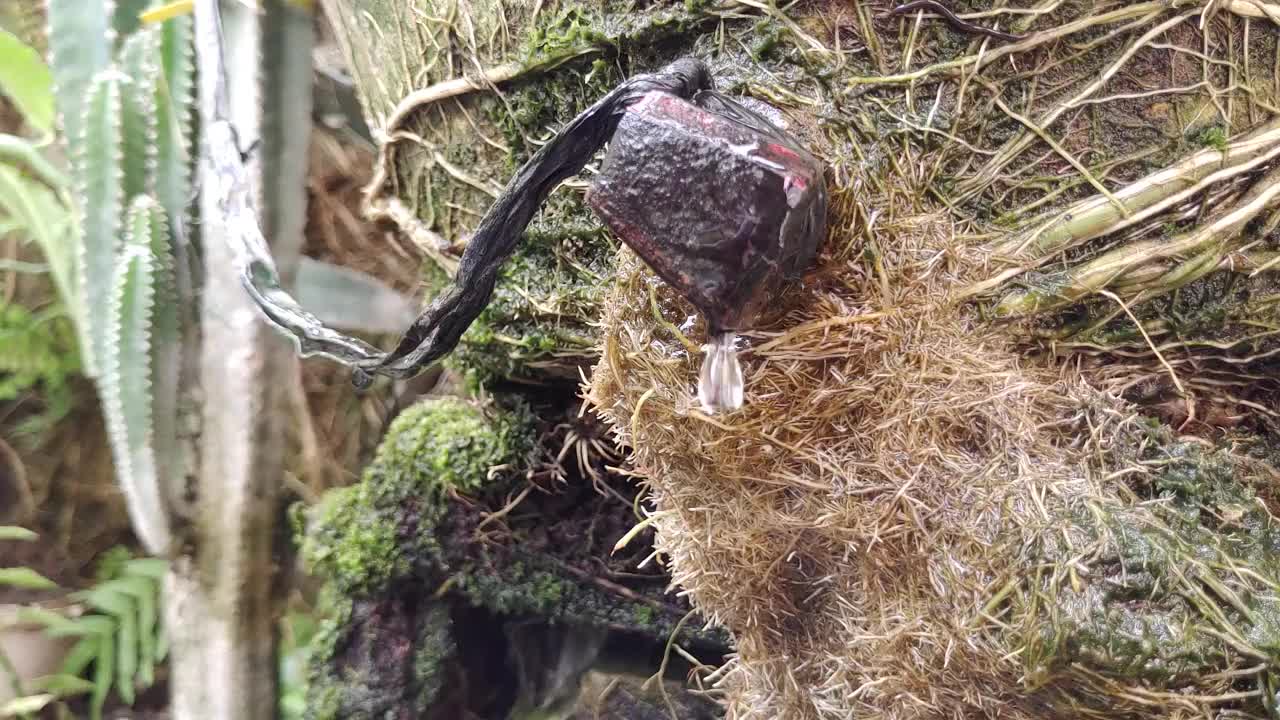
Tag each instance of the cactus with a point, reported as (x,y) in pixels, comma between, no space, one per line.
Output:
(126,108)
(125,381)
(80,41)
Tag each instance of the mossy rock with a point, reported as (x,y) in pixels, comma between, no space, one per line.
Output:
(423,591)
(362,537)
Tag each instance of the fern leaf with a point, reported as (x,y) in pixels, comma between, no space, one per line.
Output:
(26,705)
(62,685)
(41,216)
(13,532)
(126,378)
(101,206)
(80,42)
(127,655)
(139,63)
(153,568)
(115,601)
(81,654)
(47,619)
(148,621)
(103,671)
(84,626)
(25,578)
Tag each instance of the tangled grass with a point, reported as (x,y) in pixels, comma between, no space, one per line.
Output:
(912,517)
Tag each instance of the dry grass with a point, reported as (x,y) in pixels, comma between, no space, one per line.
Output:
(841,524)
(891,526)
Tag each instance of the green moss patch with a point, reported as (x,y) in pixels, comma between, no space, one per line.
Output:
(361,537)
(1167,590)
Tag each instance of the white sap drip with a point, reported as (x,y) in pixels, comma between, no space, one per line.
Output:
(720,386)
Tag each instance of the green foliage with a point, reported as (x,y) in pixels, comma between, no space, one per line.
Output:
(26,80)
(30,202)
(26,705)
(120,637)
(1214,137)
(37,354)
(12,532)
(296,642)
(431,450)
(25,578)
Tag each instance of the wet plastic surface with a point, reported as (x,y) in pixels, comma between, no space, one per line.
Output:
(722,205)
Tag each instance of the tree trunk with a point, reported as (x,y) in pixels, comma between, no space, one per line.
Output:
(222,599)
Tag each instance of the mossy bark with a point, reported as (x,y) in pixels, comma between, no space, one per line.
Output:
(449,591)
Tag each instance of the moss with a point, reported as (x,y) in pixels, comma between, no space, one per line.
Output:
(351,545)
(540,322)
(434,650)
(325,704)
(324,692)
(1169,580)
(1214,137)
(525,587)
(644,616)
(360,538)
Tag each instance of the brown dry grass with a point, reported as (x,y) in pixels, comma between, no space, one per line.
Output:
(893,524)
(842,523)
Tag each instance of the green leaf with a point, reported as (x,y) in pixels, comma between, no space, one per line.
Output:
(41,616)
(101,206)
(127,655)
(40,215)
(27,82)
(162,643)
(85,625)
(106,599)
(24,153)
(80,40)
(80,656)
(125,599)
(154,568)
(103,671)
(126,377)
(138,62)
(12,532)
(62,685)
(148,620)
(25,578)
(26,705)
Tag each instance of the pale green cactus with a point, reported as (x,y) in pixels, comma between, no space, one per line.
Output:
(100,203)
(130,141)
(80,42)
(139,62)
(126,378)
